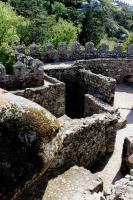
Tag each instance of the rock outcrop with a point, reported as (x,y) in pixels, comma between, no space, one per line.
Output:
(25,129)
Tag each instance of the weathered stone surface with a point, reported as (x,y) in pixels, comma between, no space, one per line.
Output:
(94,105)
(76,184)
(51,95)
(116,68)
(34,50)
(117,50)
(122,122)
(63,52)
(27,72)
(97,85)
(20,49)
(80,82)
(103,51)
(90,50)
(127,152)
(49,54)
(123,189)
(83,141)
(130,50)
(25,128)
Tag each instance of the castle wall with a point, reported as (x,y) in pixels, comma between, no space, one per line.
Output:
(94,105)
(76,52)
(68,75)
(27,72)
(83,141)
(97,85)
(115,68)
(50,96)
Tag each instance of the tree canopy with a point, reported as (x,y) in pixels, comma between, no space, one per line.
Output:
(41,21)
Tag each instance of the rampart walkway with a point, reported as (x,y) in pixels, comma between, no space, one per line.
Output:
(124,101)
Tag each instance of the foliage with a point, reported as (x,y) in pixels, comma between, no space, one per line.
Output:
(109,41)
(41,29)
(60,10)
(128,41)
(8,58)
(26,8)
(10,26)
(92,29)
(64,31)
(56,21)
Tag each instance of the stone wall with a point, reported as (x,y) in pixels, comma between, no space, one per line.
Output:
(97,85)
(83,141)
(115,68)
(27,72)
(68,75)
(49,54)
(94,105)
(50,96)
(80,82)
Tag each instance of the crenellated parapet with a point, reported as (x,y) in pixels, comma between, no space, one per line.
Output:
(76,52)
(27,72)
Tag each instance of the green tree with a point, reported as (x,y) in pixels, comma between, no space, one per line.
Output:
(92,27)
(10,24)
(41,29)
(64,31)
(29,8)
(60,10)
(128,41)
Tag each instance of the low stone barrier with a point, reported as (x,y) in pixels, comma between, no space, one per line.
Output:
(97,85)
(94,105)
(50,96)
(27,72)
(118,69)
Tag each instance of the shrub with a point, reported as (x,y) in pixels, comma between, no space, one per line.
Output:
(10,26)
(128,41)
(109,41)
(64,31)
(8,58)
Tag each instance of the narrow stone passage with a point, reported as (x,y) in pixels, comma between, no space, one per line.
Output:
(124,101)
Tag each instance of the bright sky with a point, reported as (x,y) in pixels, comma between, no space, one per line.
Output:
(129,1)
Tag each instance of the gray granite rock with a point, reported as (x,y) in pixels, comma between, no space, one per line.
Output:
(25,128)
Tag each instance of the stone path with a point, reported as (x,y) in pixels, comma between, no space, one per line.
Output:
(124,101)
(59,65)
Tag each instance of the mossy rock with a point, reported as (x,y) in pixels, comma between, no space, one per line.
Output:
(25,129)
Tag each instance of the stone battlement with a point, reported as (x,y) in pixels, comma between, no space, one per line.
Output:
(26,72)
(77,52)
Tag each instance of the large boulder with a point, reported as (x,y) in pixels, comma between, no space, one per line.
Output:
(25,129)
